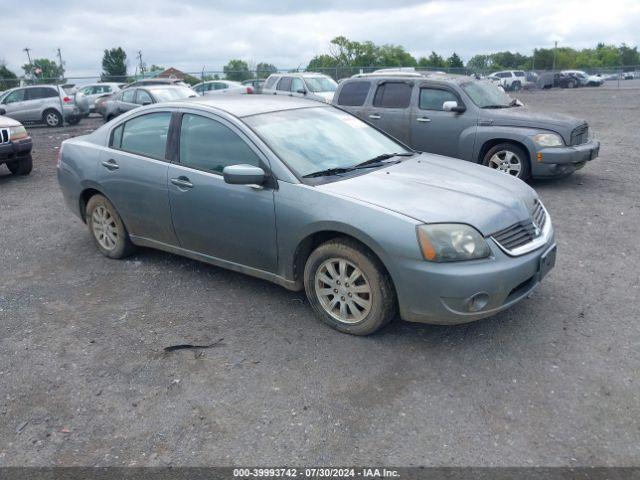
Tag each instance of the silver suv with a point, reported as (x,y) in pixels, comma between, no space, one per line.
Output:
(314,86)
(48,104)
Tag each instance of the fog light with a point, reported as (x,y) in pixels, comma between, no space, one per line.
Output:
(477,302)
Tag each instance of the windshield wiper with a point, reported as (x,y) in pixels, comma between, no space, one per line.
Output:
(328,171)
(380,158)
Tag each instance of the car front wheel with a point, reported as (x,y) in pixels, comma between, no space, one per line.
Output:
(106,228)
(21,167)
(349,288)
(508,158)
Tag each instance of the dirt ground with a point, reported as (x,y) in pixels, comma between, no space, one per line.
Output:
(553,381)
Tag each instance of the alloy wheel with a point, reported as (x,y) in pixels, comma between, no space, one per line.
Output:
(343,290)
(104,227)
(507,162)
(52,119)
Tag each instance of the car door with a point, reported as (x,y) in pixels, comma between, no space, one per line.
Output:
(15,105)
(435,130)
(132,173)
(297,86)
(235,223)
(127,101)
(36,98)
(390,109)
(283,87)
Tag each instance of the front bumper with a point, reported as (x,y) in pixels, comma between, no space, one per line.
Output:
(555,161)
(13,151)
(440,293)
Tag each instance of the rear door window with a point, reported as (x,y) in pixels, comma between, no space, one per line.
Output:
(128,95)
(393,95)
(146,135)
(284,85)
(353,94)
(433,98)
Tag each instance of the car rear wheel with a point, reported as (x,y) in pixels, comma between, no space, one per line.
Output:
(349,288)
(510,159)
(106,228)
(21,167)
(52,118)
(516,87)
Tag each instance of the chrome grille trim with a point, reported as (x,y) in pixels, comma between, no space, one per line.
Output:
(527,235)
(580,134)
(4,135)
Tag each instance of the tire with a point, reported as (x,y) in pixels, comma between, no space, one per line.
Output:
(52,118)
(347,259)
(570,84)
(516,86)
(109,118)
(73,121)
(501,158)
(21,167)
(102,217)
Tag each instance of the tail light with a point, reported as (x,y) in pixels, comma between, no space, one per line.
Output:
(249,90)
(67,100)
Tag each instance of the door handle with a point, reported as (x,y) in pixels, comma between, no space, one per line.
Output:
(110,164)
(182,182)
(374,116)
(423,119)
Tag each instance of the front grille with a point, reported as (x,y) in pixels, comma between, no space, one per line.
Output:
(580,135)
(524,232)
(4,135)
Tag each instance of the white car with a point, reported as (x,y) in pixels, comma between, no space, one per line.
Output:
(314,86)
(217,87)
(510,79)
(94,91)
(585,79)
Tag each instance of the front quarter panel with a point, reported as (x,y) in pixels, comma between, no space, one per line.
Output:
(303,210)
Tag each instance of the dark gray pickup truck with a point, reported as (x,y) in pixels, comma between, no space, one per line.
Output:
(460,117)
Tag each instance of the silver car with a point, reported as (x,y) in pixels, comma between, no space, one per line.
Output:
(310,197)
(218,87)
(48,104)
(134,97)
(94,91)
(313,86)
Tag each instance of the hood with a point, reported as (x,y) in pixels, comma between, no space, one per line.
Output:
(326,96)
(8,122)
(435,189)
(528,117)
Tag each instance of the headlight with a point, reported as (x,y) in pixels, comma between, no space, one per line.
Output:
(451,242)
(18,133)
(548,140)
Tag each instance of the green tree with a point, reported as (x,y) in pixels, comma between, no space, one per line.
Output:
(156,68)
(263,70)
(392,56)
(8,79)
(237,70)
(44,70)
(454,61)
(433,61)
(629,56)
(479,64)
(114,65)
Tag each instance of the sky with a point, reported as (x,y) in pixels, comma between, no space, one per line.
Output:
(195,34)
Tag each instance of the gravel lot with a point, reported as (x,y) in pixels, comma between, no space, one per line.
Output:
(553,381)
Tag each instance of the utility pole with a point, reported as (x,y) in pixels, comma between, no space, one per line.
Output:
(60,58)
(555,48)
(140,62)
(27,49)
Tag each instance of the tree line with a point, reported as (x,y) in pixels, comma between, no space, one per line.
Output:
(345,55)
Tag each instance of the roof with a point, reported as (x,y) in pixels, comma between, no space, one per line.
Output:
(437,76)
(245,105)
(300,74)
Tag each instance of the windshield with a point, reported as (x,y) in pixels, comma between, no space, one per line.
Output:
(312,139)
(486,94)
(172,93)
(321,84)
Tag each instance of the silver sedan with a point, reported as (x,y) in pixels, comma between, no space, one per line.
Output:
(310,197)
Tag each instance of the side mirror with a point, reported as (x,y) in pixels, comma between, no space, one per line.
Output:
(146,103)
(243,175)
(452,106)
(302,91)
